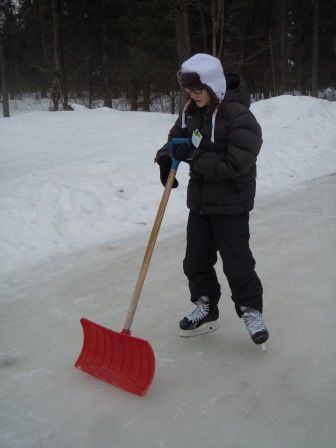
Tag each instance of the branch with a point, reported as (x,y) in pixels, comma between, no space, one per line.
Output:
(41,69)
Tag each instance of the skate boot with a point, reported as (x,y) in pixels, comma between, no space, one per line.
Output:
(255,324)
(201,319)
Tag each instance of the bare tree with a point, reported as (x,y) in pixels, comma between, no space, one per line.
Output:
(45,67)
(134,93)
(3,79)
(5,100)
(180,15)
(283,19)
(315,65)
(60,76)
(217,16)
(106,56)
(10,38)
(146,95)
(199,5)
(179,10)
(273,63)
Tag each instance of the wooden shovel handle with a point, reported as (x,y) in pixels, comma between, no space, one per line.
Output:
(149,251)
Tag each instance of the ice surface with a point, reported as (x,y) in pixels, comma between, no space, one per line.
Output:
(216,390)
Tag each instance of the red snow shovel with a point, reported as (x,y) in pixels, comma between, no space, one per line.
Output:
(120,359)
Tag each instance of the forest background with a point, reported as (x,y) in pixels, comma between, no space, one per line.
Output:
(124,54)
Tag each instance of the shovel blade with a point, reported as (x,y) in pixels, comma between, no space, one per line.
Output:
(120,359)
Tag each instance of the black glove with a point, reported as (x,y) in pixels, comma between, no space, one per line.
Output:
(183,151)
(165,165)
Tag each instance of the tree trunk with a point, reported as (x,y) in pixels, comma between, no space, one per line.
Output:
(203,27)
(146,96)
(60,77)
(5,100)
(283,46)
(91,87)
(273,65)
(91,82)
(93,50)
(134,94)
(315,68)
(106,58)
(172,101)
(217,16)
(221,29)
(14,70)
(213,27)
(180,14)
(299,61)
(43,84)
(44,71)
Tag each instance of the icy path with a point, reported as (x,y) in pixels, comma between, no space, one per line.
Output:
(213,391)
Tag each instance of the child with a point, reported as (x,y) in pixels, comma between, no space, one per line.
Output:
(226,141)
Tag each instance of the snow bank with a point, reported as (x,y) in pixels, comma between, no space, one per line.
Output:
(299,141)
(74,179)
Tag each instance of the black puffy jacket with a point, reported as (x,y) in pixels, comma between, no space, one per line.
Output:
(223,173)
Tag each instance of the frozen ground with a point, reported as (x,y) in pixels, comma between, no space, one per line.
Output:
(217,390)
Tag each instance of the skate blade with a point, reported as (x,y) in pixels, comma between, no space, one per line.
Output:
(263,347)
(208,327)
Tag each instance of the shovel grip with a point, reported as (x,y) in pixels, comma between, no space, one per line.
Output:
(149,251)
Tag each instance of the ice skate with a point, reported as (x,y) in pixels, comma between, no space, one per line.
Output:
(255,325)
(200,320)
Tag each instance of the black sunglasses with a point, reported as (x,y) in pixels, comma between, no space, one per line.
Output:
(195,91)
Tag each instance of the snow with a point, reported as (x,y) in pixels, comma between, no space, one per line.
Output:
(79,192)
(71,180)
(211,391)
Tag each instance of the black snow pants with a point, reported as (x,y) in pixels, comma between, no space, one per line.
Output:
(229,235)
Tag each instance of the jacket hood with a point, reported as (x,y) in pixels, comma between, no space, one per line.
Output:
(203,70)
(236,89)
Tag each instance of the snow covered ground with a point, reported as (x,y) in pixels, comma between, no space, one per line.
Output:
(212,391)
(79,193)
(70,180)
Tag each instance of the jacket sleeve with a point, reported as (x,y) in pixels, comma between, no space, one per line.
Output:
(176,131)
(243,145)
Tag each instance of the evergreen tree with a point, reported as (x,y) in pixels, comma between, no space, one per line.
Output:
(125,49)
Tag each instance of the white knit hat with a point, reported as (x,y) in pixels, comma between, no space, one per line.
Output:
(210,71)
